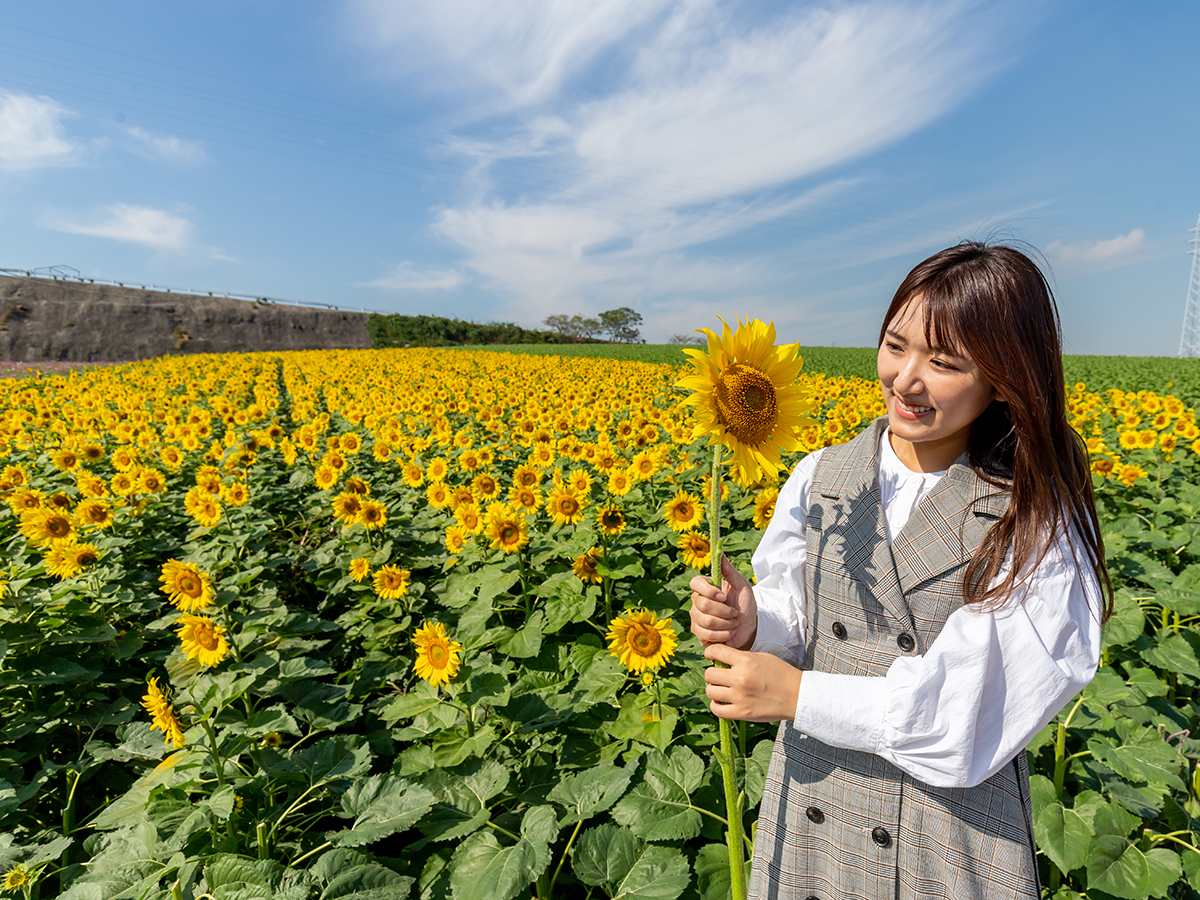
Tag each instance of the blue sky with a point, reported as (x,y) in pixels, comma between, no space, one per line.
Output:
(512,159)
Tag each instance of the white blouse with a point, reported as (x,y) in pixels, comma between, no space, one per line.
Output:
(955,715)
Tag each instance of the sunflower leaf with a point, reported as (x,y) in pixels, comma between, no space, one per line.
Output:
(526,641)
(482,869)
(591,791)
(462,797)
(381,805)
(659,806)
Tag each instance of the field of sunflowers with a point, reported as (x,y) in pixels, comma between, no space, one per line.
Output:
(412,623)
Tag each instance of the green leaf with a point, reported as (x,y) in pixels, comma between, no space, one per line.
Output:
(1143,756)
(1107,687)
(1063,835)
(605,854)
(1165,868)
(1177,653)
(420,699)
(658,873)
(601,674)
(1191,868)
(591,791)
(527,640)
(381,805)
(1126,623)
(566,602)
(1144,679)
(757,764)
(659,807)
(462,797)
(1117,867)
(368,882)
(1104,818)
(482,869)
(712,872)
(333,758)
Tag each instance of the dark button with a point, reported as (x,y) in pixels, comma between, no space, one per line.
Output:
(812,897)
(880,835)
(815,815)
(839,631)
(906,642)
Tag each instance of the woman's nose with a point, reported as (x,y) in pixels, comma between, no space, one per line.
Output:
(908,379)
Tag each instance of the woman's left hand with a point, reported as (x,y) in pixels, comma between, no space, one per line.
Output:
(757,687)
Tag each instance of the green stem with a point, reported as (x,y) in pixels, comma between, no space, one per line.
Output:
(218,763)
(504,831)
(562,859)
(1060,750)
(304,856)
(733,836)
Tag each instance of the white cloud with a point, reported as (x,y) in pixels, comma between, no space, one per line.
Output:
(705,122)
(408,276)
(1095,255)
(31,133)
(143,225)
(171,149)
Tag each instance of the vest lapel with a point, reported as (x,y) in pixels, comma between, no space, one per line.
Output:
(947,526)
(854,485)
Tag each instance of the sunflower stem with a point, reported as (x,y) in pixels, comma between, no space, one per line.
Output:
(725,756)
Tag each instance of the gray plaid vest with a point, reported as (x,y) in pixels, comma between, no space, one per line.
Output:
(838,824)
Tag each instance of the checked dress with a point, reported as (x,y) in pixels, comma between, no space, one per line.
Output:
(837,823)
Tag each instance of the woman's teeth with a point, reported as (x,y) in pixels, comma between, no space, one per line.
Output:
(915,410)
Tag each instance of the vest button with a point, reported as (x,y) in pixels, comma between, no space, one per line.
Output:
(880,835)
(815,815)
(839,631)
(905,642)
(812,897)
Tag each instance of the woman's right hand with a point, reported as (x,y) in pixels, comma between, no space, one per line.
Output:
(728,615)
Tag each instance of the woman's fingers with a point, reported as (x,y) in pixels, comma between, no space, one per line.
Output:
(730,573)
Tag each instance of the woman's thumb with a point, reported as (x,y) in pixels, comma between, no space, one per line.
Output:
(730,573)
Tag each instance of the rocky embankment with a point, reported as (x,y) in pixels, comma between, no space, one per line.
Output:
(43,319)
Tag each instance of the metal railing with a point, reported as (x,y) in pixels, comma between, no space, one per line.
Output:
(61,273)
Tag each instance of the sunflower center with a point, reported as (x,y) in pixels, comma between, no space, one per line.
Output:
(567,506)
(206,637)
(746,403)
(508,533)
(438,656)
(645,641)
(190,586)
(58,526)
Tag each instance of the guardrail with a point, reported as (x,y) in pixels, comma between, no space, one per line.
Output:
(59,273)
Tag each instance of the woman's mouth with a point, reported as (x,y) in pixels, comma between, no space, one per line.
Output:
(912,410)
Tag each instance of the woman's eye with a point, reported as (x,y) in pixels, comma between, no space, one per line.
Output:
(942,364)
(893,346)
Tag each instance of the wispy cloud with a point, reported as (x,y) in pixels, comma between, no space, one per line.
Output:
(31,133)
(410,277)
(1097,255)
(171,149)
(625,135)
(154,228)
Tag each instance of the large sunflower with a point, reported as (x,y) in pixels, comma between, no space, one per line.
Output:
(186,586)
(507,532)
(610,519)
(94,513)
(584,566)
(764,507)
(745,396)
(565,506)
(640,641)
(163,714)
(696,550)
(437,656)
(202,639)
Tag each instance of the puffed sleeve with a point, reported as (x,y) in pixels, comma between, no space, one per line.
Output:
(955,715)
(779,569)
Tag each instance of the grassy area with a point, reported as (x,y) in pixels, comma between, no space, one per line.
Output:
(18,369)
(1162,374)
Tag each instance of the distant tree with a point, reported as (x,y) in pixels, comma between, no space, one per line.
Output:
(573,326)
(621,324)
(685,339)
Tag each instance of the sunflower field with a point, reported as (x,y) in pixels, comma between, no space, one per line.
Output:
(412,623)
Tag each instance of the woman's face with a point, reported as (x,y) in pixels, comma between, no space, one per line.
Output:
(932,394)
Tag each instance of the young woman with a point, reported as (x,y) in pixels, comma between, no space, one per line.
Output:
(929,595)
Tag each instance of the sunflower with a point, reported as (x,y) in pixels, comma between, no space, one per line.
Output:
(202,639)
(764,507)
(326,477)
(351,443)
(67,558)
(236,494)
(527,500)
(620,482)
(360,568)
(65,459)
(437,656)
(150,480)
(745,397)
(81,555)
(163,714)
(1128,440)
(470,518)
(640,641)
(485,486)
(209,482)
(580,481)
(124,459)
(542,456)
(610,519)
(1147,439)
(437,469)
(45,526)
(565,506)
(697,552)
(16,878)
(643,465)
(26,499)
(123,484)
(203,507)
(373,514)
(1167,442)
(438,495)
(456,539)
(391,582)
(356,485)
(412,474)
(59,501)
(186,586)
(91,452)
(346,507)
(526,475)
(90,485)
(507,532)
(683,511)
(584,567)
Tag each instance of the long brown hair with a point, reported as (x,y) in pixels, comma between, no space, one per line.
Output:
(993,303)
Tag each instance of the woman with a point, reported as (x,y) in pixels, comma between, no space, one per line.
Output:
(929,595)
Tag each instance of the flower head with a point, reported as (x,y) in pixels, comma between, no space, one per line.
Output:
(186,586)
(683,511)
(584,567)
(437,656)
(360,568)
(391,582)
(163,714)
(641,641)
(745,396)
(202,639)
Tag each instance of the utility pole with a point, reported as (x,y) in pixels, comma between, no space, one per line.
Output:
(1189,341)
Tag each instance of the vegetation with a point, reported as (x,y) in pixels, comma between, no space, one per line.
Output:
(432,642)
(397,330)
